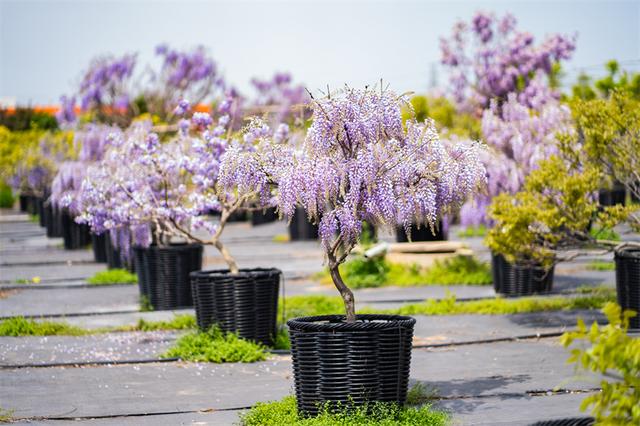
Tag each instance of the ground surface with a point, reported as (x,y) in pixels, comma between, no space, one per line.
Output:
(483,369)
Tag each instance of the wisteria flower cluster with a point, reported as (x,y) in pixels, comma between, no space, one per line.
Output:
(519,138)
(360,163)
(105,83)
(489,58)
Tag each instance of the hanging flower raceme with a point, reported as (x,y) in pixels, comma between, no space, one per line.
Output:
(281,97)
(105,83)
(519,138)
(489,59)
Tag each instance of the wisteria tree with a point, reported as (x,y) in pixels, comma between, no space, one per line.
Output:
(489,59)
(281,98)
(158,190)
(360,163)
(518,138)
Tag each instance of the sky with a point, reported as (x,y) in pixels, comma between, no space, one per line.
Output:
(45,45)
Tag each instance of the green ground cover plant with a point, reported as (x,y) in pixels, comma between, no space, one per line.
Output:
(285,412)
(113,276)
(216,346)
(19,326)
(601,265)
(361,272)
(6,196)
(616,355)
(472,231)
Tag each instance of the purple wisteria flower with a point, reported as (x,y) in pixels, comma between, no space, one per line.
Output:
(280,97)
(490,59)
(105,83)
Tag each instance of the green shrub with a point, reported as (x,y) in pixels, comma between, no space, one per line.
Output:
(473,231)
(285,412)
(113,276)
(599,265)
(215,346)
(6,196)
(178,322)
(360,272)
(614,354)
(20,326)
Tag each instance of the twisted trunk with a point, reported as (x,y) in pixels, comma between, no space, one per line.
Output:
(345,292)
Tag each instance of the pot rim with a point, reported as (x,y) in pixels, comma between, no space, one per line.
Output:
(242,272)
(364,322)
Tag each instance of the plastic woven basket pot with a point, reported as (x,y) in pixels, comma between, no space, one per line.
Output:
(163,274)
(264,216)
(576,421)
(99,246)
(245,303)
(350,363)
(75,236)
(614,196)
(40,208)
(300,228)
(24,201)
(628,282)
(114,257)
(519,280)
(53,221)
(422,234)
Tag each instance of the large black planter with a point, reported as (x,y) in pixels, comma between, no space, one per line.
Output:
(422,234)
(614,196)
(53,221)
(114,257)
(264,216)
(40,209)
(32,204)
(76,236)
(628,281)
(99,245)
(300,228)
(24,201)
(519,280)
(576,421)
(163,274)
(245,303)
(350,363)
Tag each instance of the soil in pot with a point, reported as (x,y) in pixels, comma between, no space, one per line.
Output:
(519,280)
(350,363)
(628,282)
(245,303)
(163,274)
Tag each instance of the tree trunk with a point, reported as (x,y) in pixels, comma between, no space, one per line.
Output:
(345,292)
(233,266)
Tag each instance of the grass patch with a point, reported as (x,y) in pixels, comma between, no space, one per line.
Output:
(605,234)
(281,238)
(215,346)
(178,322)
(499,306)
(6,415)
(145,304)
(303,306)
(34,280)
(600,265)
(20,326)
(113,276)
(285,412)
(361,272)
(472,231)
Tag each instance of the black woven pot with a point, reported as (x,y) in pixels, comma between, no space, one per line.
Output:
(350,363)
(519,280)
(24,201)
(40,208)
(76,236)
(163,274)
(32,205)
(99,245)
(245,303)
(576,421)
(614,196)
(300,228)
(264,216)
(53,221)
(628,282)
(422,234)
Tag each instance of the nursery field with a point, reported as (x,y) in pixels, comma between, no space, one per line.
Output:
(73,352)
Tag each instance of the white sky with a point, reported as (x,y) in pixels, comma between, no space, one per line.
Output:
(44,45)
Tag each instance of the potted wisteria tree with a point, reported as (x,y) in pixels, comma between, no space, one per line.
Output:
(360,163)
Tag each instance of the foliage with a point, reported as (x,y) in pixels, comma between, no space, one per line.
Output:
(448,121)
(615,80)
(5,415)
(599,265)
(552,212)
(113,276)
(215,346)
(178,322)
(22,119)
(285,412)
(19,326)
(613,353)
(473,231)
(608,138)
(360,272)
(6,196)
(500,306)
(303,306)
